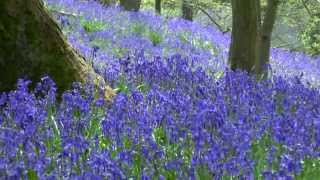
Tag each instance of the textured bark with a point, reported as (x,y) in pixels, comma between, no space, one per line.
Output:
(243,49)
(259,12)
(130,5)
(158,6)
(32,45)
(265,36)
(187,12)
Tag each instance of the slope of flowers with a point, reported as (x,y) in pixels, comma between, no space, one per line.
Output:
(175,117)
(170,120)
(105,34)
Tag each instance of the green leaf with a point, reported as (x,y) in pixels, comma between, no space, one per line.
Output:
(218,74)
(138,28)
(127,143)
(310,169)
(144,88)
(122,86)
(160,137)
(104,142)
(32,175)
(93,25)
(155,37)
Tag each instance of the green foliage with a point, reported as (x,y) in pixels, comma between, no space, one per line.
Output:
(170,8)
(198,42)
(93,25)
(122,86)
(119,51)
(99,42)
(203,173)
(310,170)
(148,4)
(184,149)
(138,161)
(218,74)
(259,153)
(184,37)
(53,144)
(143,87)
(104,142)
(141,30)
(260,150)
(127,143)
(155,37)
(205,45)
(159,136)
(32,175)
(310,36)
(138,28)
(94,128)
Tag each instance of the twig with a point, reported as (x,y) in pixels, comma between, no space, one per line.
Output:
(307,8)
(211,19)
(63,13)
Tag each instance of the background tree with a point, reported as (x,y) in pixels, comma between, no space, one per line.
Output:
(187,12)
(243,49)
(310,36)
(32,45)
(130,5)
(158,6)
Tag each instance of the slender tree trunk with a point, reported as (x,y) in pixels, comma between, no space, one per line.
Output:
(265,36)
(243,49)
(32,45)
(187,12)
(158,6)
(130,5)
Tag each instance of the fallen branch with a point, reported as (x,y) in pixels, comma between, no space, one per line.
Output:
(63,13)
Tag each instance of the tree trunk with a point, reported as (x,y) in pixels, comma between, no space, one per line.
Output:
(158,6)
(32,45)
(130,5)
(265,36)
(187,12)
(243,49)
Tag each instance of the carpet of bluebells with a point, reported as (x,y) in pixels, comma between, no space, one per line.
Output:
(179,112)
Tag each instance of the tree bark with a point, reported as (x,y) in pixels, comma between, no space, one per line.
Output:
(130,5)
(158,6)
(187,12)
(243,49)
(265,37)
(32,45)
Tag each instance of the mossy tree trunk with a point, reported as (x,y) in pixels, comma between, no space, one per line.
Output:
(187,12)
(243,49)
(130,5)
(32,45)
(158,6)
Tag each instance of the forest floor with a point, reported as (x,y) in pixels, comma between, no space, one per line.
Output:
(179,113)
